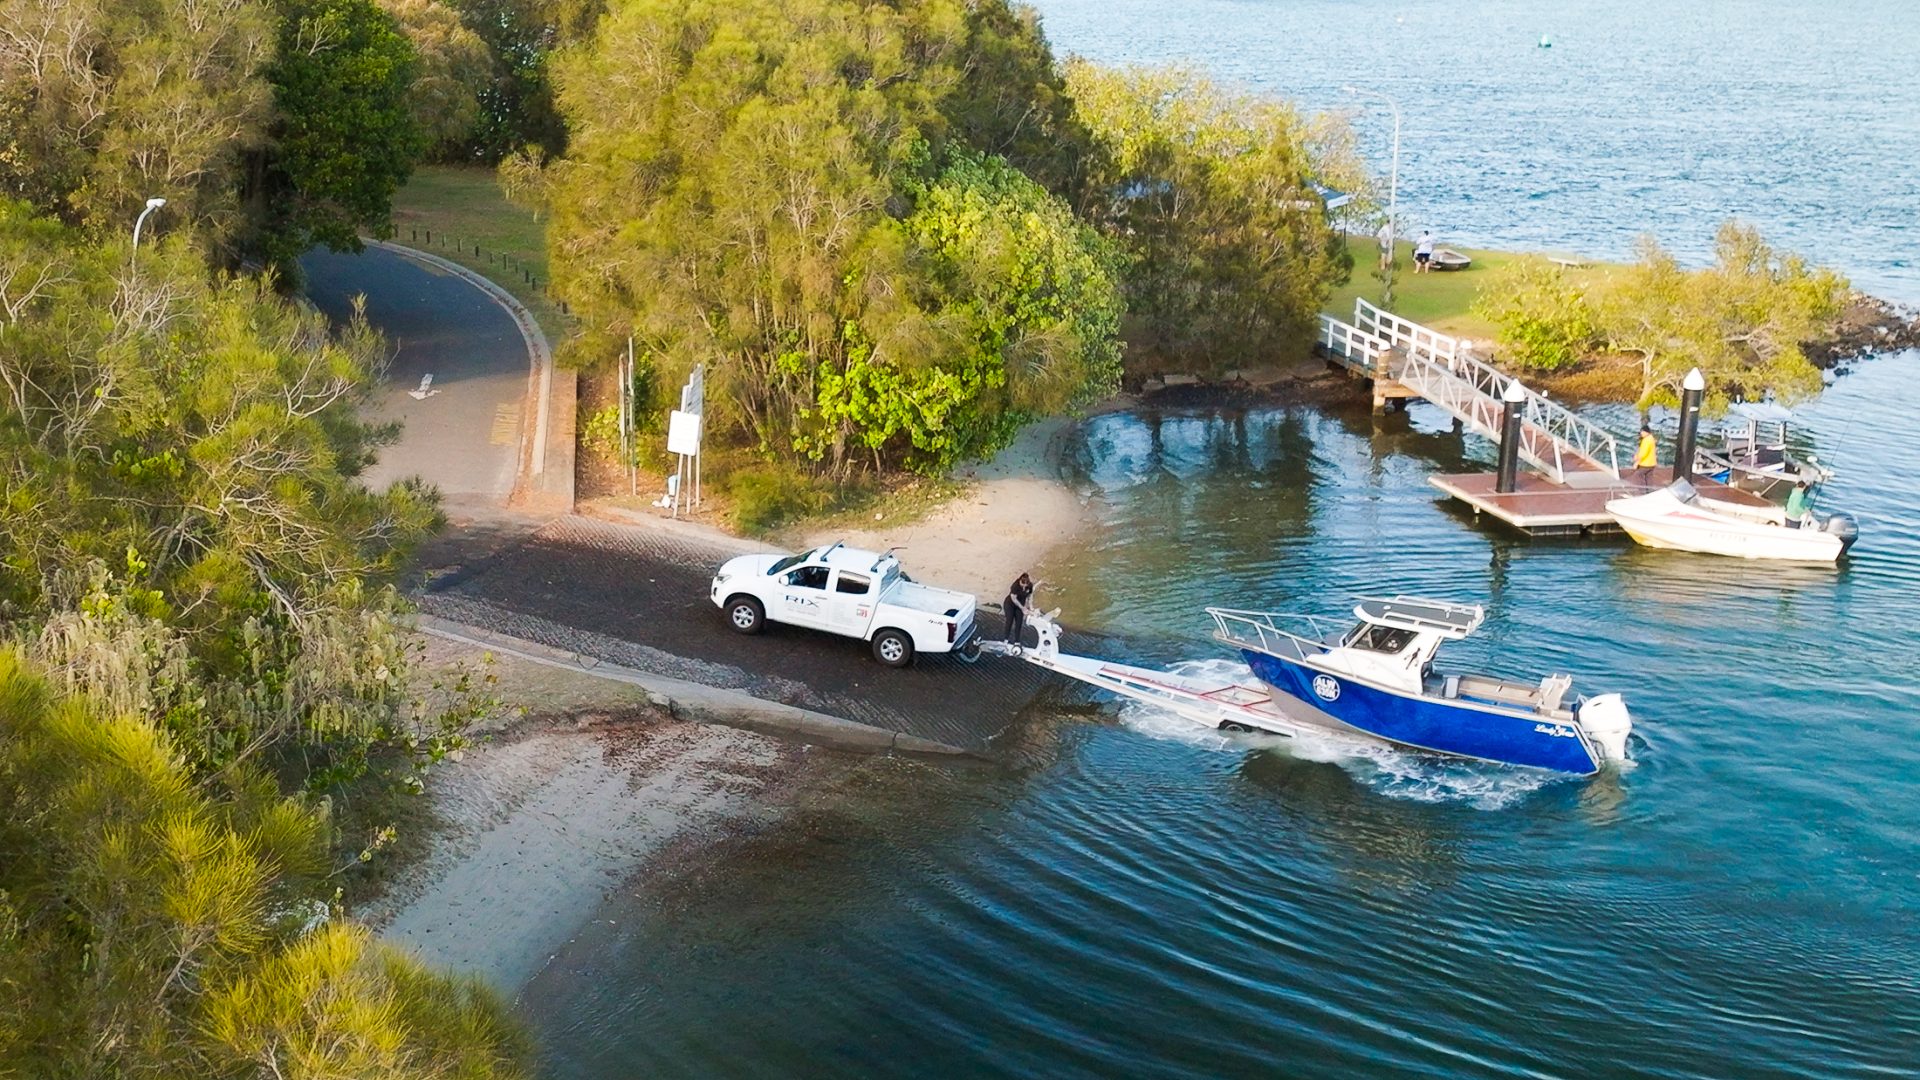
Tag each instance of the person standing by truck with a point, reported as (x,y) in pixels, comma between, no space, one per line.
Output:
(1015,607)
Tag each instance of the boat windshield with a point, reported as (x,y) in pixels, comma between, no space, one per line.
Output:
(1381,639)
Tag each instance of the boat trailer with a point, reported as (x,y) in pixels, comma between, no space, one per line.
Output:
(1224,706)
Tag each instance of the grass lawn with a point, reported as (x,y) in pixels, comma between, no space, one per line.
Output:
(1440,299)
(449,209)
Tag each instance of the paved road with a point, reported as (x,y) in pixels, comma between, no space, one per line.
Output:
(464,437)
(625,594)
(638,597)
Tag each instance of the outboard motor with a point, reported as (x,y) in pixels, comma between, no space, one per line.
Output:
(1605,720)
(1843,526)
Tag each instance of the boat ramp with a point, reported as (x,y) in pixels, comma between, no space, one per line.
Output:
(1577,465)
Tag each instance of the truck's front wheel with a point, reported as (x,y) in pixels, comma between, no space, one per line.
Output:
(745,614)
(893,648)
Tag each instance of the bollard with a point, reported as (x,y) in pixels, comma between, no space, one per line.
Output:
(1508,476)
(1692,389)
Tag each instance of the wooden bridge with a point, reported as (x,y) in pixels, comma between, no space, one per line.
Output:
(1406,360)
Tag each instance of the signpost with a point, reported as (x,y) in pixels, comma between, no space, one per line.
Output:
(685,428)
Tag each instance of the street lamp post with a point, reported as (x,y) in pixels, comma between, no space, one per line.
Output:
(152,205)
(1393,190)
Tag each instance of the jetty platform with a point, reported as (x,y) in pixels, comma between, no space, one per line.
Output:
(1575,463)
(1576,506)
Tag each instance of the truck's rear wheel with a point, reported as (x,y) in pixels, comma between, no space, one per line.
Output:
(893,648)
(745,614)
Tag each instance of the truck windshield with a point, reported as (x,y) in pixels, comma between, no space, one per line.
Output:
(787,563)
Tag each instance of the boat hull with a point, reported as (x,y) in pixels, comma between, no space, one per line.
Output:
(1657,520)
(1460,728)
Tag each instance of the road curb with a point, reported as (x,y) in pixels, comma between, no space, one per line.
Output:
(543,477)
(701,703)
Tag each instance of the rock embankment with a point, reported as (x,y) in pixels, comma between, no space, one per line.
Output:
(1868,325)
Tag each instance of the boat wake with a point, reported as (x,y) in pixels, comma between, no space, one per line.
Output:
(1398,774)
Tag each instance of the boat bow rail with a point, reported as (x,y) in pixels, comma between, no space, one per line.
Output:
(1262,630)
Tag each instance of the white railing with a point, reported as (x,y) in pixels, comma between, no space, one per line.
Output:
(1552,439)
(1258,630)
(1404,333)
(1351,345)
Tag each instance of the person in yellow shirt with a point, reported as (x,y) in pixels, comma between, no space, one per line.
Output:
(1646,456)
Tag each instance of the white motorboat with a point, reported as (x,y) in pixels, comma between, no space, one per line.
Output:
(1679,517)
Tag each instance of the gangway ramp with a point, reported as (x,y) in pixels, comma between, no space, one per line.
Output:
(1434,366)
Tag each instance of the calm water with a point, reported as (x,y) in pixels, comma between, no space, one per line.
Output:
(1142,898)
(1135,897)
(1803,118)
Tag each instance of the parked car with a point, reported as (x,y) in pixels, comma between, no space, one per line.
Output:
(845,591)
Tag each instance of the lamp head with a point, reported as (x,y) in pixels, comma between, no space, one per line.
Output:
(155,204)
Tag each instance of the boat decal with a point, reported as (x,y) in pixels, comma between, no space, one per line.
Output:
(1554,729)
(1326,687)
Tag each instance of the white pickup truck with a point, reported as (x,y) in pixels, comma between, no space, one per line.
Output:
(849,592)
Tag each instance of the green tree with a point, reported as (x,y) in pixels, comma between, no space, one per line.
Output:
(454,69)
(1012,100)
(517,106)
(104,105)
(1743,321)
(1212,192)
(154,926)
(345,135)
(185,534)
(1545,322)
(778,189)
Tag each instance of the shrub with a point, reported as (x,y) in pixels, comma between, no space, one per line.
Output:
(768,496)
(1545,322)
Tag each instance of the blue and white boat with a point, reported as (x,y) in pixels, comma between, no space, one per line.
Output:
(1378,680)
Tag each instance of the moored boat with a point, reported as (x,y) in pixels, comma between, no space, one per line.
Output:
(1752,453)
(1679,518)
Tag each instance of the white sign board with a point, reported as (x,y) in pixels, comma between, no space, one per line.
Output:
(683,433)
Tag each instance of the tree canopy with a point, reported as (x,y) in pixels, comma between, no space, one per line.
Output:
(1212,190)
(1743,321)
(155,926)
(266,125)
(773,186)
(184,531)
(105,105)
(346,136)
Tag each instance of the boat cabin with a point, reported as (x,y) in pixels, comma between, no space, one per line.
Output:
(1394,642)
(1395,639)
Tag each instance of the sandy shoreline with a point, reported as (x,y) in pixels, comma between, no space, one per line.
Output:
(1017,510)
(538,824)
